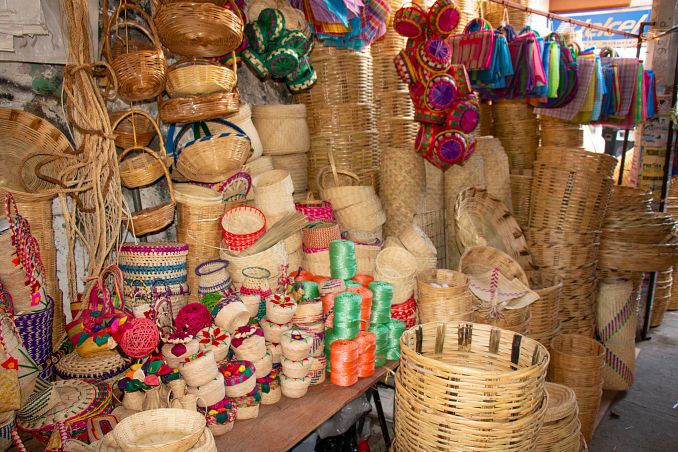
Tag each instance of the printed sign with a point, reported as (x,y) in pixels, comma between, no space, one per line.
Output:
(622,19)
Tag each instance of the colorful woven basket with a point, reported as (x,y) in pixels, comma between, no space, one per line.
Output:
(35,329)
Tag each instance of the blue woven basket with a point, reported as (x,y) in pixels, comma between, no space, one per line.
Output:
(35,329)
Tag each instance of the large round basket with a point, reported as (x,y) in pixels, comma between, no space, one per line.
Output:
(484,384)
(197,77)
(167,429)
(199,29)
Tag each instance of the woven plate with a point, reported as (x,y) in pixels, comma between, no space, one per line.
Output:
(483,220)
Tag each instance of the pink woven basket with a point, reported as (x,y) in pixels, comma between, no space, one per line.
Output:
(242,226)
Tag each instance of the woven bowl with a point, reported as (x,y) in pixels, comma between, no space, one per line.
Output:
(166,429)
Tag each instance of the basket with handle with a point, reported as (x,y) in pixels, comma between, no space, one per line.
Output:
(200,29)
(211,158)
(141,73)
(151,219)
(198,76)
(140,169)
(198,108)
(136,130)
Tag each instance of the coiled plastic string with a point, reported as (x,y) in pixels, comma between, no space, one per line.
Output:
(346,322)
(365,305)
(351,284)
(329,339)
(396,328)
(344,362)
(382,295)
(368,350)
(380,331)
(309,288)
(363,279)
(342,259)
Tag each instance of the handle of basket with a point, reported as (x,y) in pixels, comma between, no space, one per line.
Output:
(238,12)
(114,271)
(477,24)
(193,60)
(333,166)
(153,154)
(151,33)
(154,123)
(173,137)
(127,24)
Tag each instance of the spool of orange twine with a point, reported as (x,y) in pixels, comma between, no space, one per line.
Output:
(365,306)
(363,279)
(368,348)
(344,362)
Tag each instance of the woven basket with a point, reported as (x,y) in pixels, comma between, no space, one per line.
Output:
(443,295)
(294,388)
(577,362)
(521,192)
(212,277)
(242,226)
(415,240)
(140,74)
(555,132)
(134,131)
(480,259)
(169,429)
(200,370)
(403,187)
(198,108)
(243,119)
(560,431)
(297,165)
(317,263)
(197,77)
(213,157)
(282,128)
(544,321)
(483,220)
(319,235)
(495,168)
(35,329)
(156,218)
(463,376)
(140,169)
(272,259)
(396,263)
(277,182)
(199,29)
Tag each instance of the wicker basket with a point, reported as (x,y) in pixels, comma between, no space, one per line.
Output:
(197,77)
(544,321)
(211,158)
(480,259)
(151,219)
(140,169)
(560,431)
(521,192)
(242,226)
(443,295)
(199,29)
(198,108)
(134,131)
(282,128)
(485,386)
(272,259)
(141,73)
(483,220)
(415,240)
(297,165)
(169,429)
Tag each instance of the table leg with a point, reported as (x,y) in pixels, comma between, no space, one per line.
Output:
(380,414)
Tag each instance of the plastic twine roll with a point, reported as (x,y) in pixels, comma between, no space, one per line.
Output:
(382,296)
(396,328)
(363,279)
(365,305)
(344,362)
(309,288)
(352,284)
(342,259)
(368,349)
(381,332)
(346,320)
(328,302)
(329,339)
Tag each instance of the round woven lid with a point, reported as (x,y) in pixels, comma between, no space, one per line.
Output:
(562,402)
(100,367)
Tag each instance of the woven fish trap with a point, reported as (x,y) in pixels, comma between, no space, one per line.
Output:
(568,200)
(461,375)
(339,118)
(480,219)
(578,160)
(544,320)
(521,192)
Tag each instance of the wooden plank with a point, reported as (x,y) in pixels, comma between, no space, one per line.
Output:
(279,427)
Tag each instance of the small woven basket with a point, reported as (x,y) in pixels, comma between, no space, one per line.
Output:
(242,226)
(197,77)
(168,429)
(200,370)
(131,131)
(198,108)
(294,388)
(282,128)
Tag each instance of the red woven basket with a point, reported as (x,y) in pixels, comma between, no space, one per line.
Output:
(242,226)
(316,210)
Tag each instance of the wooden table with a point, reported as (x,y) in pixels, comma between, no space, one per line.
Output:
(281,426)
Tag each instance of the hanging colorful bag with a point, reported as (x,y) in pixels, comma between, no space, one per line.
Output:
(474,48)
(567,78)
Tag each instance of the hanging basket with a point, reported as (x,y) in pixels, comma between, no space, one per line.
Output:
(155,218)
(141,72)
(198,77)
(136,130)
(140,169)
(200,29)
(198,108)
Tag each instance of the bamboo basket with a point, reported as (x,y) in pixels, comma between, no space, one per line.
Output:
(555,132)
(521,192)
(198,77)
(561,429)
(297,165)
(673,301)
(495,168)
(168,429)
(198,108)
(243,119)
(544,321)
(282,128)
(515,125)
(460,375)
(272,259)
(403,188)
(443,295)
(131,131)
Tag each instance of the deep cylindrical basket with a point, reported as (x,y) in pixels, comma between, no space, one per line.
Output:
(35,329)
(443,295)
(282,128)
(486,385)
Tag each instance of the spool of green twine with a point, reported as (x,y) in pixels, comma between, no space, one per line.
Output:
(396,328)
(350,283)
(343,264)
(310,290)
(346,322)
(380,331)
(382,295)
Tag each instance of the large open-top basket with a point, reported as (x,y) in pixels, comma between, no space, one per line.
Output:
(198,76)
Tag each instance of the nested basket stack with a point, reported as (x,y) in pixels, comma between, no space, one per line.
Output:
(402,189)
(398,266)
(521,193)
(485,385)
(340,114)
(544,313)
(415,240)
(443,295)
(570,193)
(496,14)
(22,134)
(284,136)
(577,362)
(561,429)
(517,128)
(496,168)
(662,296)
(555,132)
(617,315)
(199,210)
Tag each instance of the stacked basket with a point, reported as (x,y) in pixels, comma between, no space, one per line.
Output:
(488,391)
(284,137)
(561,429)
(544,313)
(570,193)
(340,113)
(415,240)
(398,266)
(577,362)
(443,295)
(403,187)
(662,296)
(517,128)
(555,132)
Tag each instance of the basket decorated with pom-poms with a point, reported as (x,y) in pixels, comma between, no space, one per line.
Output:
(248,342)
(239,377)
(221,417)
(269,387)
(248,405)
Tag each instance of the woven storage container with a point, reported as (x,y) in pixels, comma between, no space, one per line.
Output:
(282,128)
(544,321)
(517,128)
(481,219)
(521,192)
(169,429)
(196,77)
(443,295)
(297,165)
(577,362)
(496,168)
(243,119)
(555,132)
(131,131)
(616,318)
(272,259)
(662,296)
(673,301)
(403,187)
(435,188)
(561,429)
(317,263)
(496,14)
(461,375)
